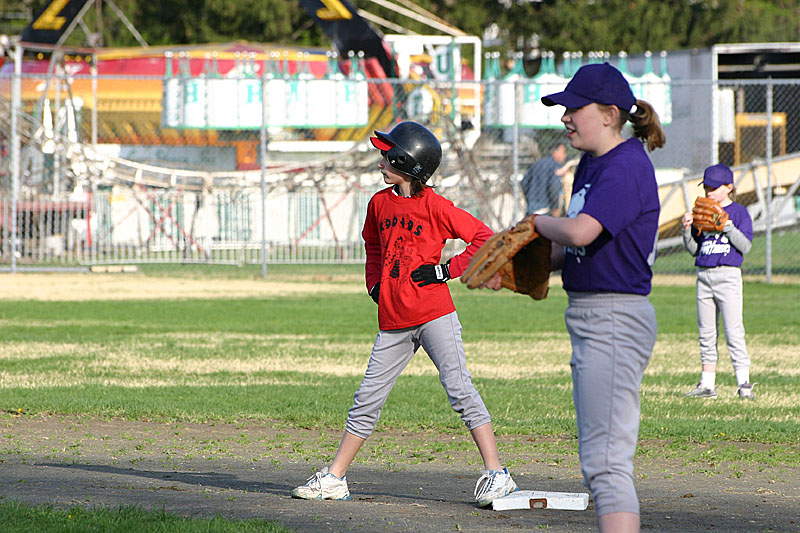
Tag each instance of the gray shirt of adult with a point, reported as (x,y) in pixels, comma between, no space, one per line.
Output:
(541,186)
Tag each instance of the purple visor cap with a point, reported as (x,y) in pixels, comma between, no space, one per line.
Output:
(598,83)
(717,175)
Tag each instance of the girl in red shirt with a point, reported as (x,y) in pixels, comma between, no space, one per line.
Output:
(405,230)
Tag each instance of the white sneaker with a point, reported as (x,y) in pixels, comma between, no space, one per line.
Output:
(702,392)
(493,484)
(746,391)
(323,486)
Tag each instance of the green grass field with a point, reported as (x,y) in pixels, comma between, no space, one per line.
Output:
(296,361)
(18,518)
(175,360)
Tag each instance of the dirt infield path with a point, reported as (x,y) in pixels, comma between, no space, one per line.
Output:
(243,472)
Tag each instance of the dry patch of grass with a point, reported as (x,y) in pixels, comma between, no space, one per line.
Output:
(18,351)
(676,355)
(767,398)
(689,280)
(85,287)
(220,359)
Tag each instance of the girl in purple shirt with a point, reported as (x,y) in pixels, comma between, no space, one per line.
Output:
(719,283)
(607,249)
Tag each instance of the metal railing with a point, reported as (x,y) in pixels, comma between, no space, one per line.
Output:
(145,192)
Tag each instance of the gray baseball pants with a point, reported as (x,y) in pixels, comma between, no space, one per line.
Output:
(719,291)
(441,339)
(612,340)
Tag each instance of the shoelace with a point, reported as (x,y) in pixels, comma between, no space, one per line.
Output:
(315,481)
(488,479)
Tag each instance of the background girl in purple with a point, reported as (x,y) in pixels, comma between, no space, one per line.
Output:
(719,283)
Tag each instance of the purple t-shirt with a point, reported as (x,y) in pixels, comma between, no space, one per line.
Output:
(714,249)
(619,190)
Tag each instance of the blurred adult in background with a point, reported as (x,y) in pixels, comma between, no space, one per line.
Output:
(542,183)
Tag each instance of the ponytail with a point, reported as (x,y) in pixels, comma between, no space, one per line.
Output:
(646,125)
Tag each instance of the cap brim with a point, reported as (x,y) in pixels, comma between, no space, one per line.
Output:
(381,144)
(568,100)
(713,184)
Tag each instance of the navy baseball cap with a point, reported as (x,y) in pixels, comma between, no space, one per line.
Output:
(598,83)
(717,175)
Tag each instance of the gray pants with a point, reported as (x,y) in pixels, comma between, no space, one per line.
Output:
(392,351)
(612,340)
(719,291)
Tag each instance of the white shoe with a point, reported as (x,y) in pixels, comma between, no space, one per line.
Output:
(493,484)
(746,391)
(702,392)
(323,486)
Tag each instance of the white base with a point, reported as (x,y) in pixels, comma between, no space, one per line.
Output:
(534,499)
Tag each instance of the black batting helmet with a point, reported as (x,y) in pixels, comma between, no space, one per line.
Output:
(410,148)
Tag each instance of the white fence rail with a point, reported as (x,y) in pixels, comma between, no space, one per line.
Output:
(145,226)
(142,225)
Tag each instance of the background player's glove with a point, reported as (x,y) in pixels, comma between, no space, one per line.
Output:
(520,255)
(708,215)
(427,274)
(375,293)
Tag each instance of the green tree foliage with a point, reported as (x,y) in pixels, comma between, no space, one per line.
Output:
(639,25)
(202,21)
(193,21)
(558,25)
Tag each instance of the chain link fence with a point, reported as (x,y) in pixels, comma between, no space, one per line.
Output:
(112,170)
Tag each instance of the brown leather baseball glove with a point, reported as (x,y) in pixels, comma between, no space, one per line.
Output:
(521,256)
(708,215)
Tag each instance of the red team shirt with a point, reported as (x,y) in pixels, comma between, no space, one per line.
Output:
(400,234)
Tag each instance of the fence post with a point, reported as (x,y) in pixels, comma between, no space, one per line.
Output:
(715,104)
(769,181)
(57,127)
(94,104)
(515,171)
(263,145)
(16,105)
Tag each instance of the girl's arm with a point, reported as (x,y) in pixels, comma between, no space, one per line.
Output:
(737,238)
(459,263)
(372,246)
(579,231)
(689,243)
(372,267)
(688,239)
